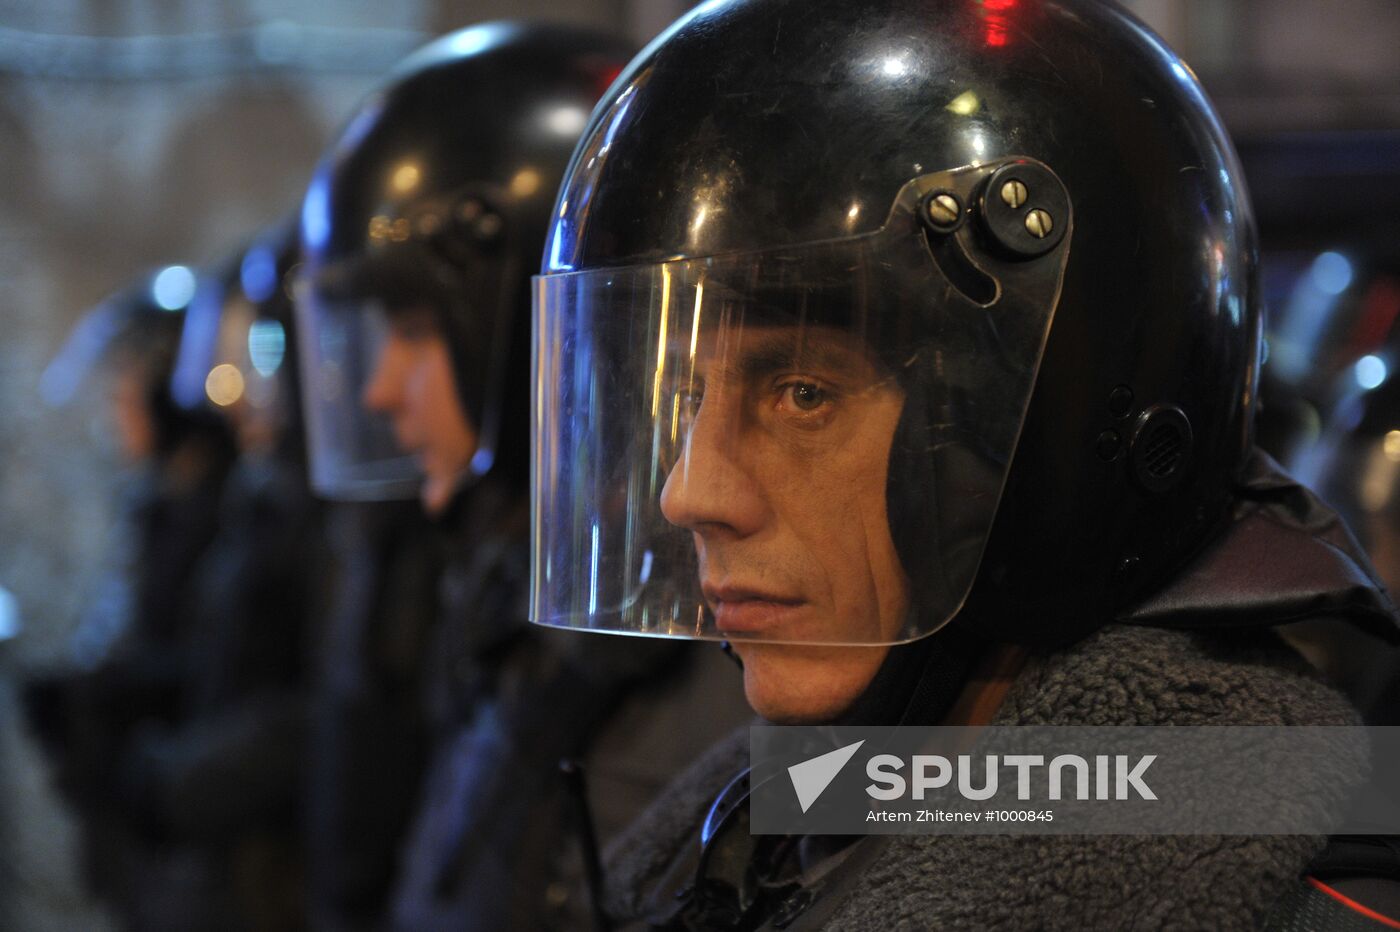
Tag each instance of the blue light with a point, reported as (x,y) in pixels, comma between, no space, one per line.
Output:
(1332,273)
(556,245)
(482,461)
(9,615)
(315,214)
(477,39)
(173,287)
(593,575)
(1371,372)
(267,345)
(618,116)
(360,125)
(198,338)
(258,274)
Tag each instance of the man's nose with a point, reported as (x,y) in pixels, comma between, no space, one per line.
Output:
(383,392)
(713,487)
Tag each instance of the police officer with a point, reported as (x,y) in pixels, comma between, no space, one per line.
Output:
(912,348)
(420,230)
(128,647)
(224,779)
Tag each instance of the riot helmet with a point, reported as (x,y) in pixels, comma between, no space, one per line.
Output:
(433,204)
(124,347)
(237,347)
(942,308)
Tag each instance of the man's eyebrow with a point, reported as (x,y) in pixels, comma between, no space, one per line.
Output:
(766,355)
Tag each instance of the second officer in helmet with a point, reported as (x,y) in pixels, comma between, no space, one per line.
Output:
(420,230)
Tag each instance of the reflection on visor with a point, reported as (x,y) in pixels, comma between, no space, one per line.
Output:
(716,439)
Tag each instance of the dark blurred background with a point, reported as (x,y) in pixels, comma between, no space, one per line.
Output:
(140,132)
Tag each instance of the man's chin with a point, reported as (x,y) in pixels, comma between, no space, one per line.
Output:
(436,493)
(794,685)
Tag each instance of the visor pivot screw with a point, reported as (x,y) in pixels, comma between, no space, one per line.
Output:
(943,211)
(1039,224)
(1024,227)
(1014,193)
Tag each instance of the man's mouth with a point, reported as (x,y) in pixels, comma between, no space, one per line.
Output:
(741,610)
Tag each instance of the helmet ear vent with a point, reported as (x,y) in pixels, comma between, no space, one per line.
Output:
(1161,450)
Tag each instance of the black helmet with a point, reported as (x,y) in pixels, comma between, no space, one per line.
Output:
(237,343)
(136,325)
(135,333)
(438,194)
(1025,211)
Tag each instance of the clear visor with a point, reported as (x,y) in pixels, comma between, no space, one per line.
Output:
(804,445)
(350,443)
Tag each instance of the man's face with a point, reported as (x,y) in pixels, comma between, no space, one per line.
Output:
(781,483)
(130,411)
(413,384)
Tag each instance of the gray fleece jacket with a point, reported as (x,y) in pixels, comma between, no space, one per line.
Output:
(1119,676)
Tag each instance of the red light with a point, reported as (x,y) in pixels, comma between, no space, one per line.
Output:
(610,75)
(1379,310)
(602,75)
(994,11)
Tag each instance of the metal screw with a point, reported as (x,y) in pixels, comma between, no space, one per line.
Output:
(1039,224)
(1014,193)
(943,210)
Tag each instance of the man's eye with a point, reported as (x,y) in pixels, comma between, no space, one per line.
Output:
(805,396)
(687,408)
(690,401)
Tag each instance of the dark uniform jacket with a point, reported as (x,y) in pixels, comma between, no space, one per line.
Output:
(495,842)
(1119,676)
